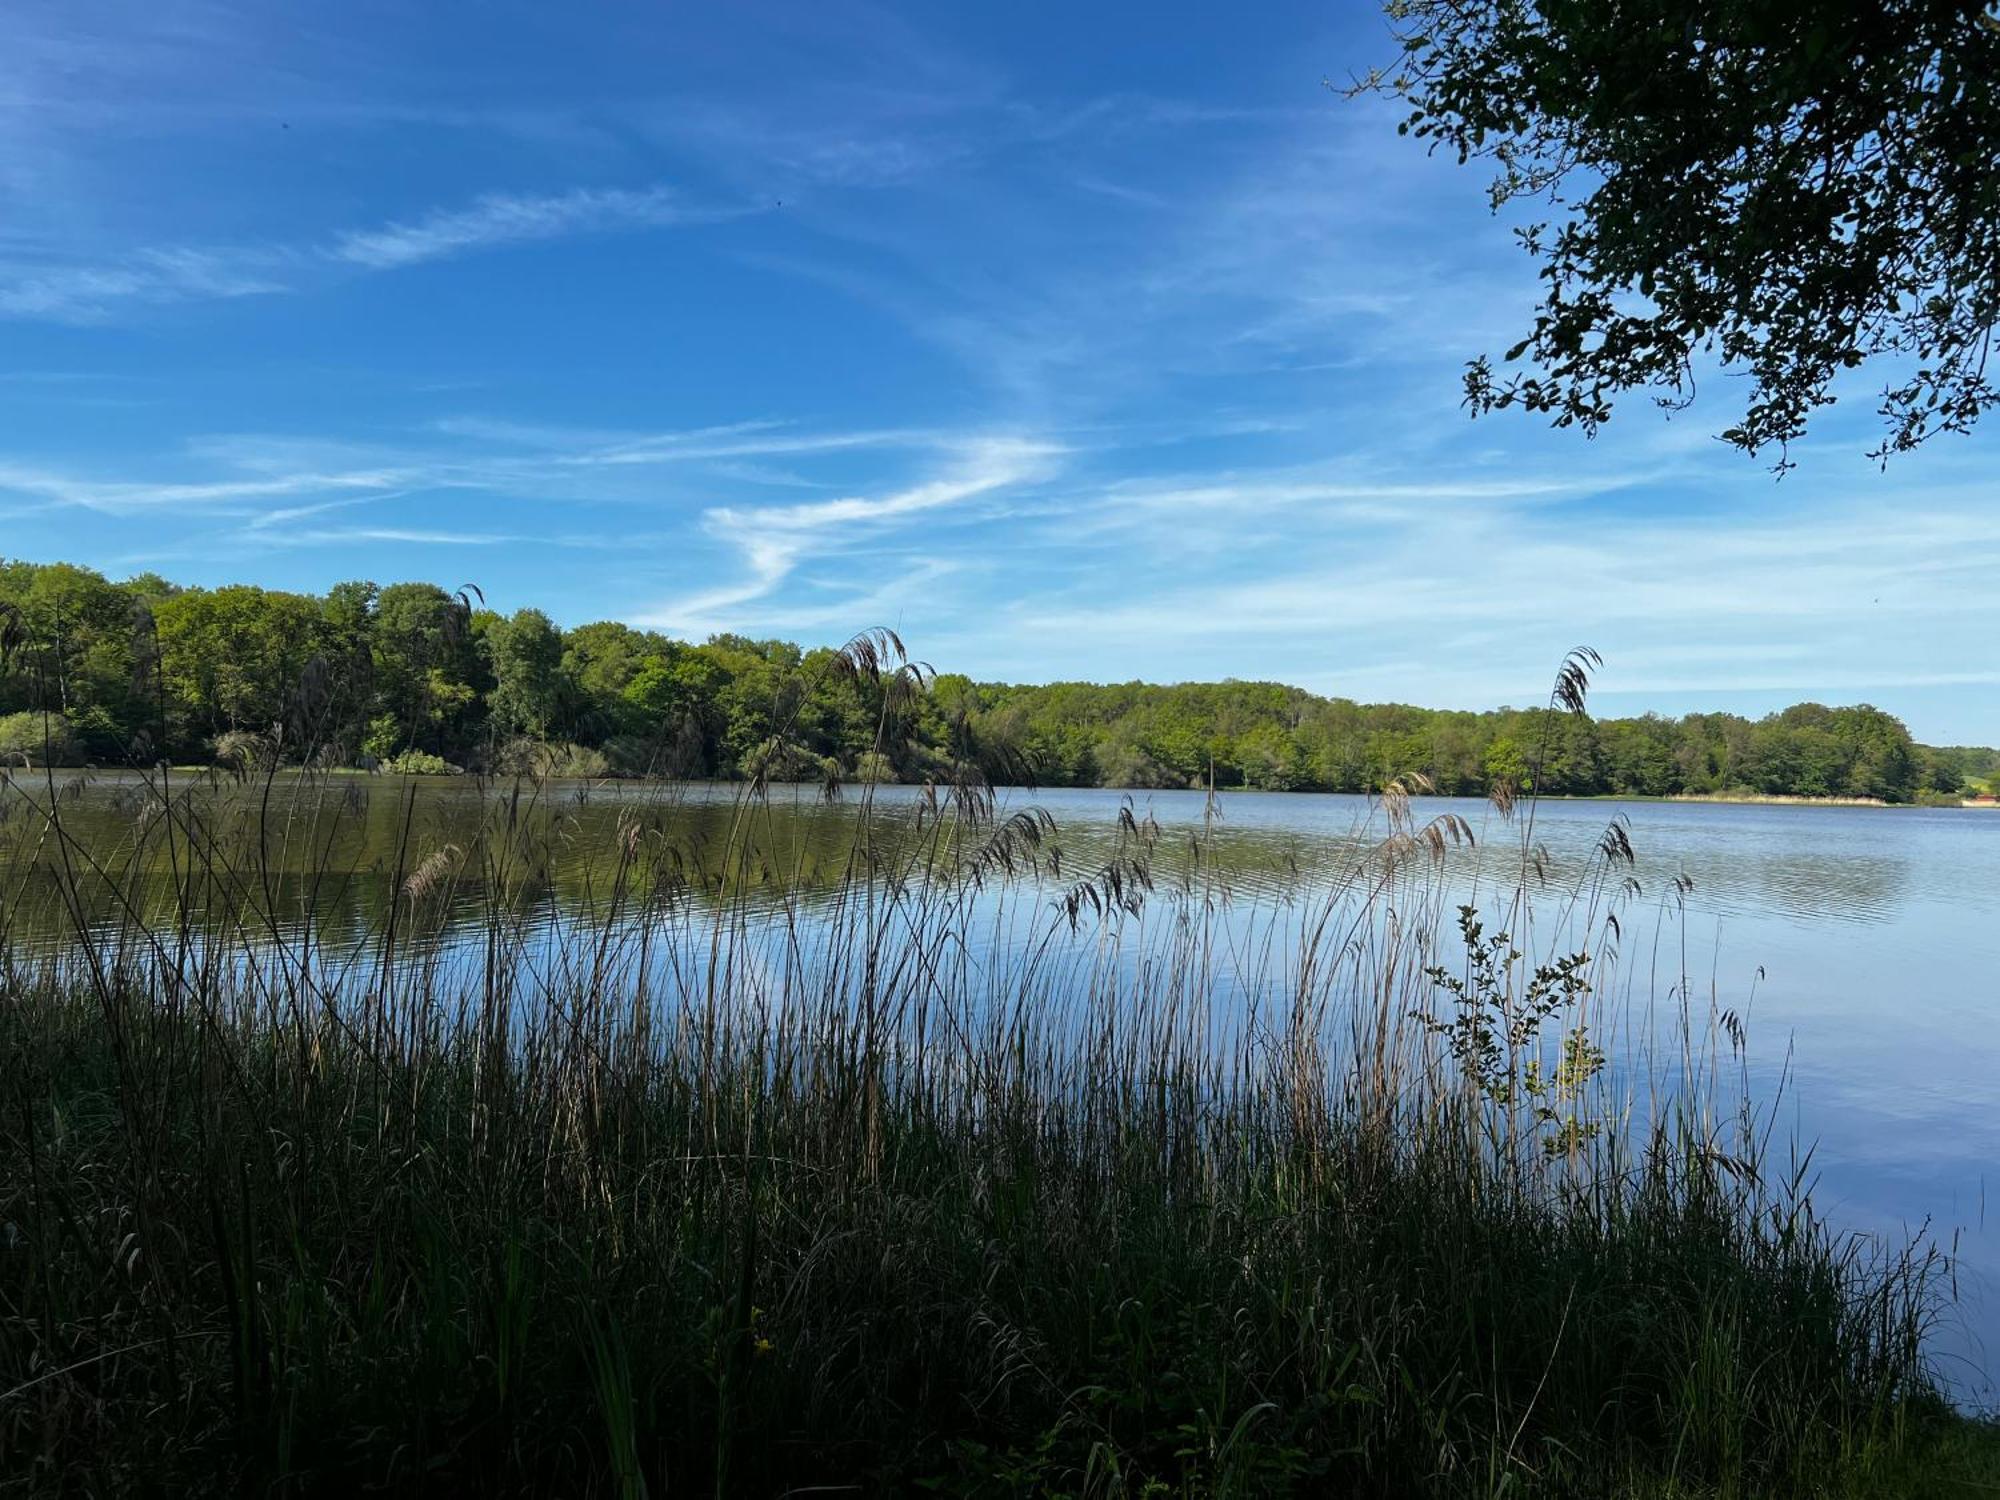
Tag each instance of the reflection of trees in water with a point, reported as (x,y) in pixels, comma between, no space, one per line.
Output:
(1733,871)
(356,857)
(342,852)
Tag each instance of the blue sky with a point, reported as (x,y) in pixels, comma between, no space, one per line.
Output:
(1098,342)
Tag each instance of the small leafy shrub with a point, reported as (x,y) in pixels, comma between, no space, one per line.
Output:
(778,759)
(33,739)
(578,760)
(1490,1030)
(419,763)
(531,757)
(872,768)
(384,739)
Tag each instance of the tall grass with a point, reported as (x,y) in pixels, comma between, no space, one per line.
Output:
(967,1173)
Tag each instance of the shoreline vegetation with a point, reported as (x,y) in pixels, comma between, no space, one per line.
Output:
(938,1186)
(411,678)
(1775,800)
(1417,791)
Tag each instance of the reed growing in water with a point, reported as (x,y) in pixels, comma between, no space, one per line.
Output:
(965,1173)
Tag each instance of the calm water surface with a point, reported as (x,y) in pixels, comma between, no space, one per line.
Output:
(1862,942)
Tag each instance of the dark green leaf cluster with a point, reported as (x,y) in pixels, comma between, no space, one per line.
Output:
(1787,188)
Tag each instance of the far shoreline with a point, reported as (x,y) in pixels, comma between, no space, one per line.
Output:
(1752,799)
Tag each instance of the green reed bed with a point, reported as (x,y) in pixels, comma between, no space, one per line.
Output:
(969,1176)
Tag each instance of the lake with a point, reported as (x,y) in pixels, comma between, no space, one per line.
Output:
(1860,943)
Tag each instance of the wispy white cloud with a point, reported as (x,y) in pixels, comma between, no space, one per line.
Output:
(246,474)
(987,464)
(1232,499)
(767,561)
(285,515)
(558,438)
(586,447)
(767,476)
(85,293)
(88,292)
(683,447)
(833,608)
(502,219)
(335,535)
(774,540)
(127,497)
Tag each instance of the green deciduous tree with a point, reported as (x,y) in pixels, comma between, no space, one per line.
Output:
(428,676)
(235,657)
(76,653)
(526,657)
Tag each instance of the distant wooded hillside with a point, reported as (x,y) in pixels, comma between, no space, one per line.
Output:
(416,678)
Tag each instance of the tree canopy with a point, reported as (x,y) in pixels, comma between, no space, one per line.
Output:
(1789,188)
(412,676)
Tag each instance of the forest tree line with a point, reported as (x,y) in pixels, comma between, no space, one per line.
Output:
(411,677)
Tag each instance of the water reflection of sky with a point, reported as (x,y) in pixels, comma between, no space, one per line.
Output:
(1865,941)
(1860,941)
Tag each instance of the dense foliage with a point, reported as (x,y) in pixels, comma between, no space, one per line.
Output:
(413,678)
(1788,187)
(1265,735)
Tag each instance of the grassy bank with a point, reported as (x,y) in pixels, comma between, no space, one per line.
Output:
(977,1177)
(1773,800)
